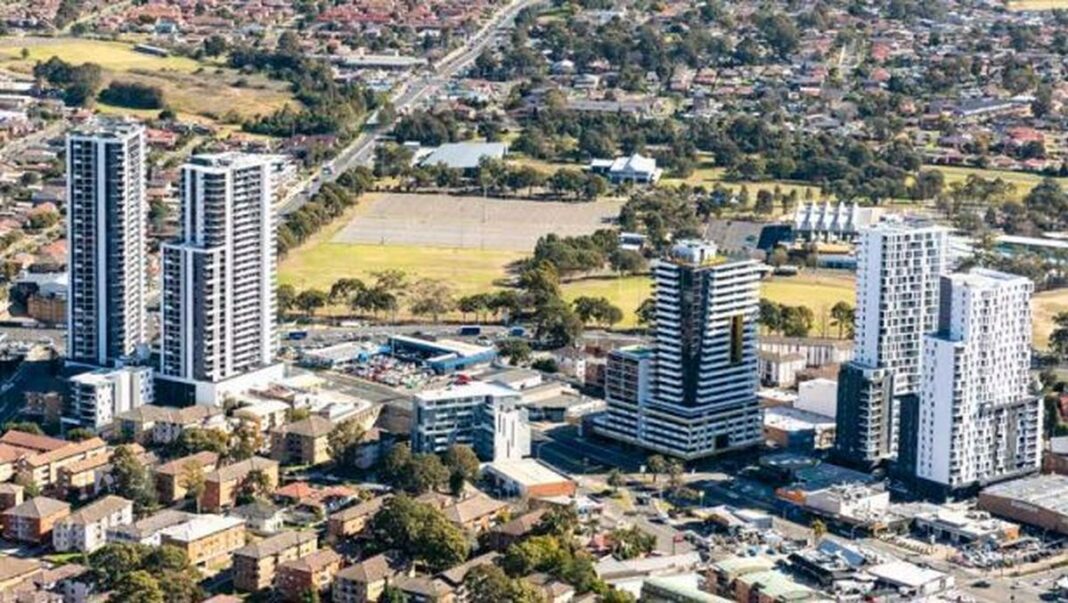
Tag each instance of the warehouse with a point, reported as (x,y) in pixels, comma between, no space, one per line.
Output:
(1040,501)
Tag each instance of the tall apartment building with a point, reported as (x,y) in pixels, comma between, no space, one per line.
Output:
(485,416)
(99,396)
(976,419)
(898,269)
(218,300)
(106,234)
(702,396)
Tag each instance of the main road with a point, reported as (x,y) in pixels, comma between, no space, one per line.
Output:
(407,96)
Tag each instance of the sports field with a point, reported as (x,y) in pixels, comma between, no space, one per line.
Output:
(471,222)
(190,87)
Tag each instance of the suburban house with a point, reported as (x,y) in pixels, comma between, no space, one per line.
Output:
(303,442)
(33,520)
(256,563)
(222,485)
(87,528)
(311,573)
(206,538)
(261,517)
(635,169)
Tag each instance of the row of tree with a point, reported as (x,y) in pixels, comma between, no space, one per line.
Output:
(326,205)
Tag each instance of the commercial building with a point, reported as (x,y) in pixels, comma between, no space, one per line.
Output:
(827,221)
(484,416)
(976,419)
(527,478)
(702,398)
(256,563)
(218,302)
(99,396)
(86,529)
(796,429)
(635,169)
(206,538)
(899,267)
(1040,501)
(440,355)
(106,230)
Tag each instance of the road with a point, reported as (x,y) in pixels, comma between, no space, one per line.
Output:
(361,150)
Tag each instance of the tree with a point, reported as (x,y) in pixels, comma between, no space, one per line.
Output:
(462,459)
(215,45)
(646,312)
(1058,338)
(419,531)
(556,324)
(615,479)
(25,427)
(344,442)
(516,350)
(248,440)
(819,530)
(431,297)
(656,465)
(138,587)
(114,561)
(392,594)
(615,595)
(843,315)
(628,543)
(132,480)
(192,479)
(198,439)
(257,486)
(311,300)
(79,434)
(487,583)
(287,296)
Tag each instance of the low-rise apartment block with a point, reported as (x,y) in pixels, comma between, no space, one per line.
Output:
(309,574)
(304,442)
(148,531)
(169,482)
(42,469)
(86,529)
(222,485)
(206,538)
(33,520)
(255,564)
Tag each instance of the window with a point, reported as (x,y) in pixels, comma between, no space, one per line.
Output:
(737,338)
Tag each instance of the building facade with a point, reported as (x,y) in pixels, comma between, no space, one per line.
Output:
(99,396)
(106,231)
(978,421)
(899,266)
(468,414)
(702,398)
(218,300)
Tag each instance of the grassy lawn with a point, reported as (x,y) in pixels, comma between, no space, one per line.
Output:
(1037,4)
(190,87)
(1023,181)
(627,293)
(112,56)
(1043,307)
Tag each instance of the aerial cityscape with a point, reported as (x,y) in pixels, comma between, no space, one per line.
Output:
(533,301)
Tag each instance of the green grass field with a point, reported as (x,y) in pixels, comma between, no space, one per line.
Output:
(1023,181)
(190,87)
(1044,306)
(1037,4)
(112,56)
